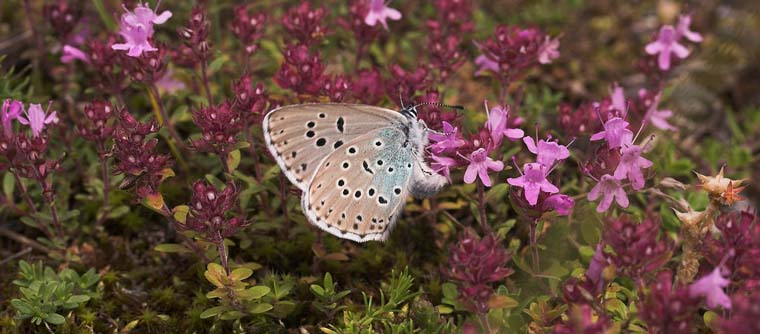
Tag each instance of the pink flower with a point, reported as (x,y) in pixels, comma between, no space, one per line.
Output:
(442,165)
(617,97)
(665,45)
(479,166)
(12,109)
(168,83)
(547,152)
(485,64)
(615,132)
(449,140)
(630,166)
(144,16)
(610,188)
(533,181)
(37,118)
(548,51)
(137,29)
(711,287)
(682,28)
(497,124)
(71,53)
(379,12)
(561,203)
(659,118)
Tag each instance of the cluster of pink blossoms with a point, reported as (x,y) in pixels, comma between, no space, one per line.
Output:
(667,43)
(620,140)
(137,29)
(34,117)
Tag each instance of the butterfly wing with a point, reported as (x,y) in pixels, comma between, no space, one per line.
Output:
(360,189)
(301,136)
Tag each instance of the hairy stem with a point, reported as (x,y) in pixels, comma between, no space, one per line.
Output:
(105,178)
(204,76)
(482,209)
(534,245)
(162,117)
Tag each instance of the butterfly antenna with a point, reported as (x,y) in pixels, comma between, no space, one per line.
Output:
(400,98)
(438,104)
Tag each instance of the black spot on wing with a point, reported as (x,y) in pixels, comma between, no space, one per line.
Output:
(340,124)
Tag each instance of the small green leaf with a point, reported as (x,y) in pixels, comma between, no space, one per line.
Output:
(231,315)
(9,184)
(217,63)
(259,291)
(260,308)
(317,290)
(240,274)
(208,313)
(445,309)
(154,202)
(54,318)
(78,299)
(171,248)
(233,160)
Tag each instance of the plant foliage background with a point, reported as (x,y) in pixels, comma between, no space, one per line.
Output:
(148,202)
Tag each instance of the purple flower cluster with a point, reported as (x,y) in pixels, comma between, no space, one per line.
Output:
(305,24)
(250,101)
(220,125)
(98,128)
(136,155)
(637,248)
(512,50)
(302,71)
(667,308)
(208,215)
(248,28)
(195,35)
(475,264)
(739,237)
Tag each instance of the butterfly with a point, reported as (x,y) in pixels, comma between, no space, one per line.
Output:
(355,164)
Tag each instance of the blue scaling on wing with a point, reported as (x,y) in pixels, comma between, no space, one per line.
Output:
(393,163)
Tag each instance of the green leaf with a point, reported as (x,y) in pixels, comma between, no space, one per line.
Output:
(171,248)
(154,202)
(54,318)
(450,291)
(259,291)
(217,63)
(231,315)
(211,312)
(78,299)
(260,308)
(317,290)
(22,306)
(240,274)
(233,160)
(445,309)
(9,184)
(180,213)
